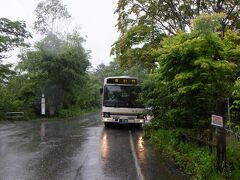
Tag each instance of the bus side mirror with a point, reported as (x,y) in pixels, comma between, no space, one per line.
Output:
(101,90)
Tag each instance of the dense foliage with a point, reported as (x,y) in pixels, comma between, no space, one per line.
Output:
(47,13)
(171,15)
(136,47)
(195,161)
(114,69)
(143,23)
(57,66)
(12,34)
(195,69)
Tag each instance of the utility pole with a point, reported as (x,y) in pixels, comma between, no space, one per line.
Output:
(221,109)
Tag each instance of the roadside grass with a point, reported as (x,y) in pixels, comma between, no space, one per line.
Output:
(68,114)
(196,161)
(76,111)
(63,114)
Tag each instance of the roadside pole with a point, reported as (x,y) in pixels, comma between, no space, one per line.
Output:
(219,121)
(43,105)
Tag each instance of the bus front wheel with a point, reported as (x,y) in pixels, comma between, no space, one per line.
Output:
(106,124)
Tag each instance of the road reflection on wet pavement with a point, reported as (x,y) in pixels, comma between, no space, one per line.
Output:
(79,148)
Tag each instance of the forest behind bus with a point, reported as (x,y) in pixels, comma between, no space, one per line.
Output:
(187,56)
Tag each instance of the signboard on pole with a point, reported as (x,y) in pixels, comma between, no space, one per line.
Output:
(217,120)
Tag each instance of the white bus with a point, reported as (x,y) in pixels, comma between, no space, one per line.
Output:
(120,102)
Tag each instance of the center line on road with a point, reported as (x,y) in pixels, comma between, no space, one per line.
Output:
(138,169)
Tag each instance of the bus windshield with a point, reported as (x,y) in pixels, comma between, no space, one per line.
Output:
(122,96)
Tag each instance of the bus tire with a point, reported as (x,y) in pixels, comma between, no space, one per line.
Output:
(107,124)
(138,125)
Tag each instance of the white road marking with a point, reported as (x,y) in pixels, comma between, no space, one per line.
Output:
(138,169)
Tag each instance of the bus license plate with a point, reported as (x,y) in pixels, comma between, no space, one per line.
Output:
(124,121)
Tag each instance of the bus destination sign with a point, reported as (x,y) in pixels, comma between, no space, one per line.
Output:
(122,81)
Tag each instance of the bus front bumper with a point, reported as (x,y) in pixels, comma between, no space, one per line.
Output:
(123,120)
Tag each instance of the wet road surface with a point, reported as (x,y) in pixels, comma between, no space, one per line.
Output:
(79,148)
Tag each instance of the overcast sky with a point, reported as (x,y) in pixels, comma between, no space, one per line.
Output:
(96,20)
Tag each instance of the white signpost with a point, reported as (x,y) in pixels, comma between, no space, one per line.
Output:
(43,105)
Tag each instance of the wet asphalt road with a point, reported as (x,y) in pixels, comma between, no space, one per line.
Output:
(79,148)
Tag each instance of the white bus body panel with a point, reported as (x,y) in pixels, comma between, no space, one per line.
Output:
(123,115)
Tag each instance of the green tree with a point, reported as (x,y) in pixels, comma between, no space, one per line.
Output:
(114,69)
(142,24)
(59,65)
(49,12)
(12,34)
(193,72)
(89,96)
(5,73)
(171,15)
(232,40)
(137,47)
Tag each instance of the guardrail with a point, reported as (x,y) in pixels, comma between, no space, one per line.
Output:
(15,115)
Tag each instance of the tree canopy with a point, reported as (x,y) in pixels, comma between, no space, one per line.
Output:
(194,71)
(168,16)
(12,34)
(59,65)
(47,13)
(142,24)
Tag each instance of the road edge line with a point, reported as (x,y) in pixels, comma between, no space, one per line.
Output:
(138,169)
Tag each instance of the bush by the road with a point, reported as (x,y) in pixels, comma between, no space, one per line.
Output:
(193,160)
